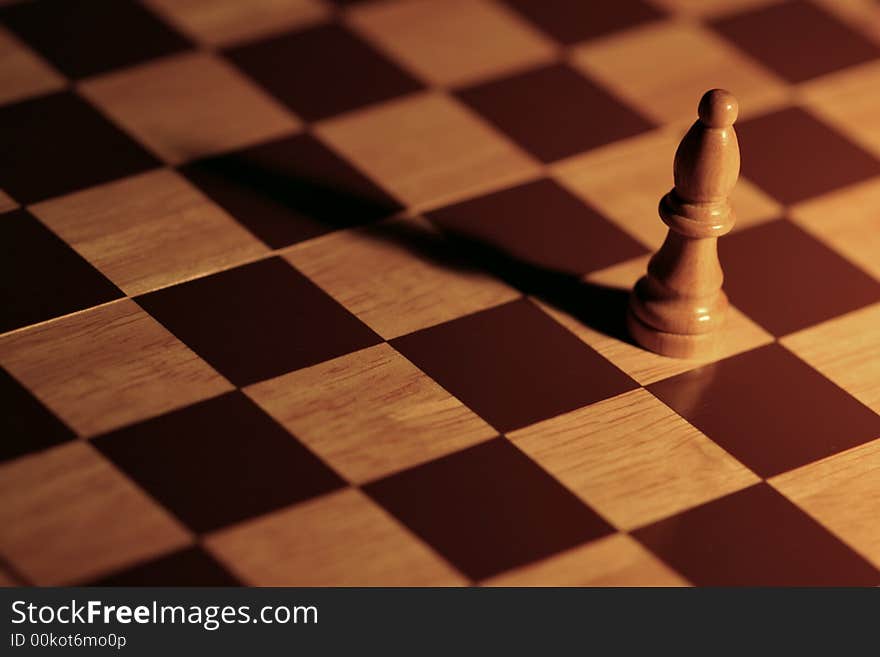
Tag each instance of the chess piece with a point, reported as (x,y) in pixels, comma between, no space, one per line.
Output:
(678,308)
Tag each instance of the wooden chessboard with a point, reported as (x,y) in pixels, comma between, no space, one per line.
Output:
(311,293)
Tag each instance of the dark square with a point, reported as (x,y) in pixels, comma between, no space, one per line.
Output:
(84,37)
(513,365)
(786,280)
(570,21)
(794,156)
(218,462)
(543,225)
(290,190)
(42,277)
(554,112)
(488,508)
(57,144)
(769,409)
(25,424)
(323,71)
(188,567)
(258,321)
(755,537)
(797,40)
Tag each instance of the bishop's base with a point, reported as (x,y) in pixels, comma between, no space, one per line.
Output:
(675,345)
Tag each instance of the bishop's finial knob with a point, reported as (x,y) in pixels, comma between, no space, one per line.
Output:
(718,109)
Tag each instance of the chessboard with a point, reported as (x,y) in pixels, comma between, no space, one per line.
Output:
(301,292)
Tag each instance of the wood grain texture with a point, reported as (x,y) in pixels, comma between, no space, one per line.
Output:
(739,333)
(23,73)
(69,515)
(370,413)
(848,221)
(189,106)
(428,149)
(224,22)
(842,493)
(846,350)
(849,102)
(108,366)
(633,459)
(382,275)
(625,180)
(341,539)
(620,63)
(617,560)
(149,231)
(446,42)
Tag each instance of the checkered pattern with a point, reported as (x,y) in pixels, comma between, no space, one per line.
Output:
(316,293)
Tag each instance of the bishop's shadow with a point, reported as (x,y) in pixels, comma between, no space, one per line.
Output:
(600,307)
(303,206)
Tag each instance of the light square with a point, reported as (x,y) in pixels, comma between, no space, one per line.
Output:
(633,459)
(7,203)
(224,22)
(108,366)
(846,350)
(397,277)
(149,231)
(841,492)
(615,560)
(342,539)
(848,100)
(189,106)
(739,333)
(452,42)
(848,221)
(626,181)
(69,515)
(861,15)
(395,415)
(428,149)
(693,60)
(23,73)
